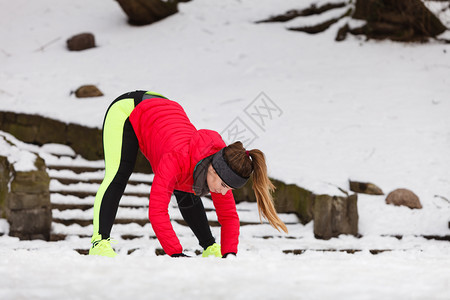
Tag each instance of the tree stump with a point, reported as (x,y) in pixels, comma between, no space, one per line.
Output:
(335,215)
(398,20)
(144,12)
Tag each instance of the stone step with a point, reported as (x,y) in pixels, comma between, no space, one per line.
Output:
(160,252)
(67,176)
(83,189)
(85,194)
(141,222)
(63,207)
(55,237)
(88,222)
(215,223)
(56,198)
(425,236)
(349,251)
(76,169)
(68,181)
(70,206)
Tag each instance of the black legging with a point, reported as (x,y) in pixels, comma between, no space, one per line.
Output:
(193,212)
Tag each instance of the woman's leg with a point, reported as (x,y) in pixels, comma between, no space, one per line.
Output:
(120,146)
(193,212)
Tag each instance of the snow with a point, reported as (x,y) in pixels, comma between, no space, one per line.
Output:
(96,278)
(360,110)
(20,159)
(58,149)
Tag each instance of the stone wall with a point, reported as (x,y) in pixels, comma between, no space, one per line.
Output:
(25,200)
(332,215)
(38,130)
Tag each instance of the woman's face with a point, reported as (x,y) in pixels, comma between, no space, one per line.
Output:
(215,184)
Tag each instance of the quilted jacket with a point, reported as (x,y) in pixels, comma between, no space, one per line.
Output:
(173,147)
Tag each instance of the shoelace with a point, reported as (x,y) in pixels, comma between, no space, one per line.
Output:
(105,244)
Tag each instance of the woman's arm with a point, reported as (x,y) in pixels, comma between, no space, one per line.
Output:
(228,219)
(161,192)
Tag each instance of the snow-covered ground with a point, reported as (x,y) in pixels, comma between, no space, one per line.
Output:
(367,111)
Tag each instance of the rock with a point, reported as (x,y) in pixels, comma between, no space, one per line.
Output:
(87,91)
(334,215)
(143,12)
(404,197)
(365,188)
(81,42)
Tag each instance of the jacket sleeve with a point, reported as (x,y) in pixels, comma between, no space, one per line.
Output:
(229,221)
(161,191)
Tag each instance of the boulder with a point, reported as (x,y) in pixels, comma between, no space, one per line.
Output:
(81,42)
(404,197)
(88,91)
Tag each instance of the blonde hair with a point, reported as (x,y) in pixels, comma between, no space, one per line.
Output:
(254,164)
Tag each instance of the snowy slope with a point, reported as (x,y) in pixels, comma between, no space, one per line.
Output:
(367,111)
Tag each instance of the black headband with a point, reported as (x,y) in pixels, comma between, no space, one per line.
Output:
(225,173)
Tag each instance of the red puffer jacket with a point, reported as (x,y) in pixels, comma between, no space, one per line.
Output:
(174,146)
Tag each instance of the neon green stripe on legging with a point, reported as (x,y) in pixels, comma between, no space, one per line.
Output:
(112,146)
(154,94)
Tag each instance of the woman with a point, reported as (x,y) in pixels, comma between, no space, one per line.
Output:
(187,162)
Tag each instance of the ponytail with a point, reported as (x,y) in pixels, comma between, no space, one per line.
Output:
(253,162)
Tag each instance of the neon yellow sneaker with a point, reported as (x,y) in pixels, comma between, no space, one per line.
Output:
(213,250)
(102,248)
